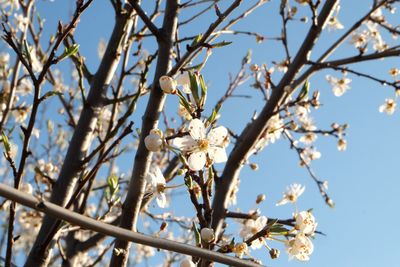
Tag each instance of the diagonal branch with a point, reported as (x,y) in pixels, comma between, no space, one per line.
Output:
(251,134)
(111,230)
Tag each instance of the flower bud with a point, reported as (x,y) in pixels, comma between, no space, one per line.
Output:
(187,263)
(260,198)
(167,84)
(254,166)
(153,141)
(274,253)
(207,234)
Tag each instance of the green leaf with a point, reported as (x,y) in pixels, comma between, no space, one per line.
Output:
(221,44)
(194,88)
(278,228)
(196,40)
(214,114)
(6,143)
(203,88)
(304,91)
(197,235)
(69,51)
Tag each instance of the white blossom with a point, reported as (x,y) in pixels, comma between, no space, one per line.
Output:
(300,247)
(305,223)
(156,181)
(199,144)
(251,227)
(339,86)
(183,80)
(291,194)
(240,249)
(389,106)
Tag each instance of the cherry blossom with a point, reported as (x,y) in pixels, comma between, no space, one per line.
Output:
(339,86)
(300,247)
(156,181)
(389,106)
(251,227)
(291,194)
(201,145)
(305,223)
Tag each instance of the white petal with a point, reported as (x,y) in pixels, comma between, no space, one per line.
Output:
(197,161)
(186,143)
(217,154)
(161,200)
(217,136)
(197,130)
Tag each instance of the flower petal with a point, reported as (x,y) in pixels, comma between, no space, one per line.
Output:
(161,200)
(197,130)
(186,143)
(217,136)
(197,161)
(217,154)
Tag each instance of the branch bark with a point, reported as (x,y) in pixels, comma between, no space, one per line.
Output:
(253,131)
(82,136)
(122,234)
(132,204)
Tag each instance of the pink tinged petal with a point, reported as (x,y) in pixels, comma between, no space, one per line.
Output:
(197,130)
(161,200)
(186,143)
(217,154)
(217,136)
(197,161)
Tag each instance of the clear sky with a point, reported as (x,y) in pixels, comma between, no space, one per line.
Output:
(363,180)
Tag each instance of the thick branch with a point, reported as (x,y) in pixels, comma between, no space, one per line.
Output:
(132,204)
(110,230)
(252,133)
(82,137)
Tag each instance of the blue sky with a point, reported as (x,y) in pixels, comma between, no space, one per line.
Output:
(363,181)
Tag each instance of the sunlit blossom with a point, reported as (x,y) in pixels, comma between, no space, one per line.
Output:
(291,194)
(251,227)
(300,247)
(199,144)
(156,181)
(339,85)
(389,106)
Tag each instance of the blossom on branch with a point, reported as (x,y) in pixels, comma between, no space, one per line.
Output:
(202,145)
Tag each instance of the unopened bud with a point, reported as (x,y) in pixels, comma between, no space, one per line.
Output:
(254,166)
(168,84)
(274,253)
(207,234)
(153,141)
(260,198)
(187,263)
(163,226)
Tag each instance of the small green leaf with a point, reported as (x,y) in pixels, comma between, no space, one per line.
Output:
(196,40)
(6,143)
(197,235)
(69,51)
(221,44)
(214,114)
(203,88)
(194,88)
(278,228)
(304,91)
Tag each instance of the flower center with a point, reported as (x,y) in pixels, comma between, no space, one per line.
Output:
(203,144)
(160,188)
